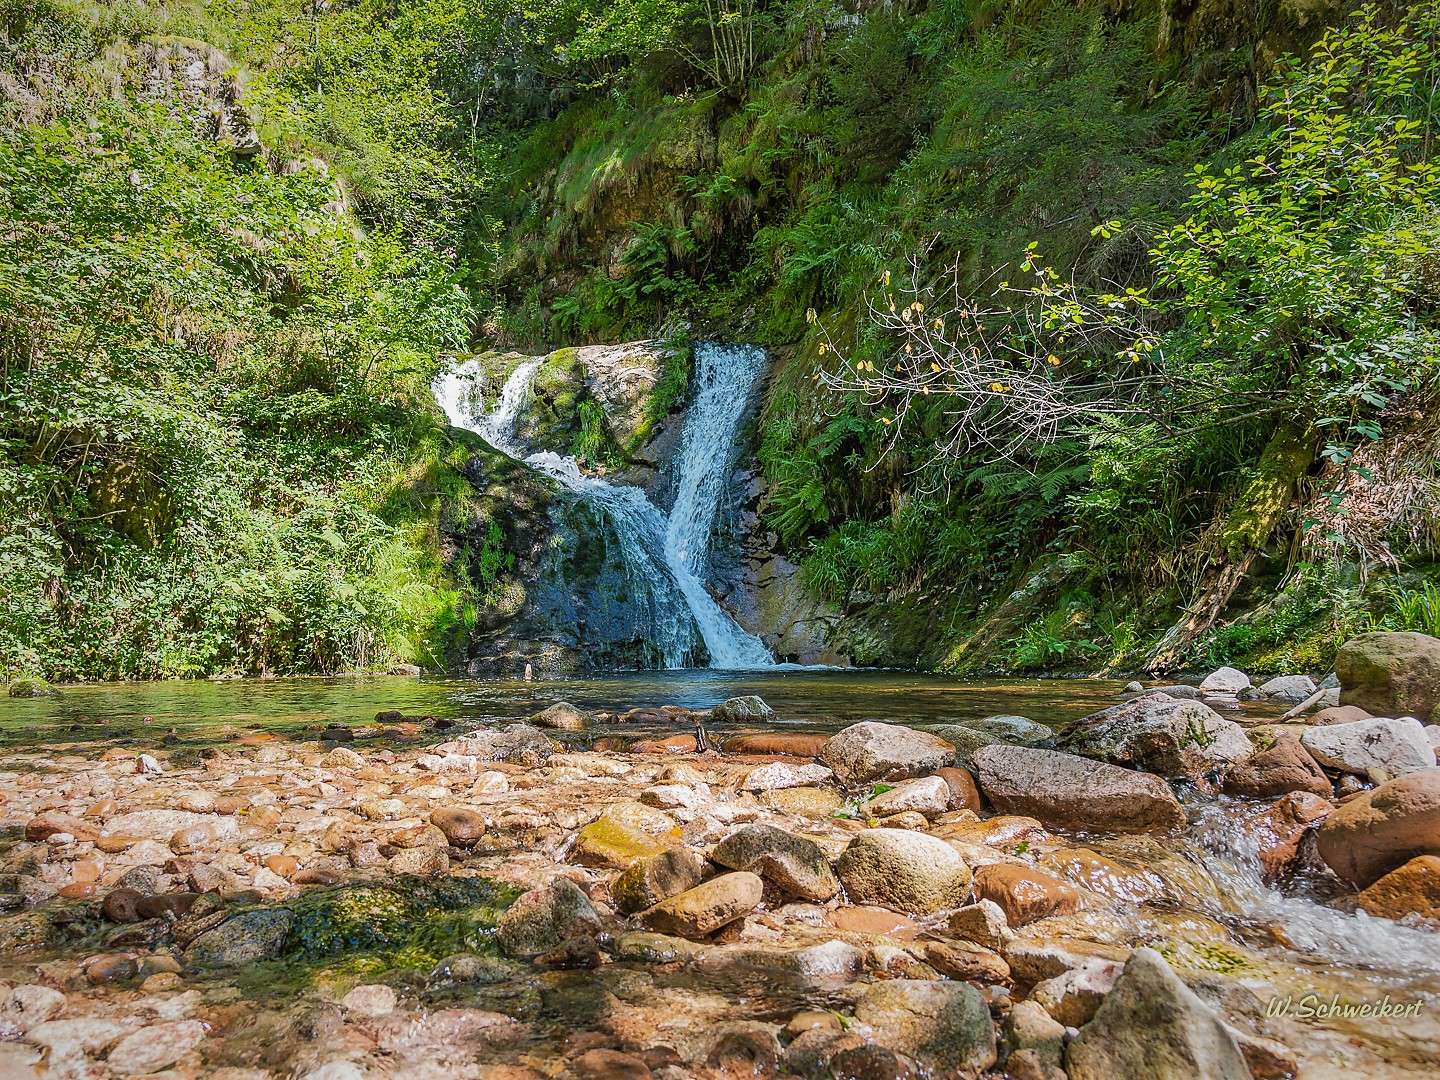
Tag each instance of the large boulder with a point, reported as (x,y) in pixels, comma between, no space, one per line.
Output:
(1225,680)
(1072,792)
(1161,734)
(562,716)
(965,739)
(944,1025)
(1282,767)
(870,751)
(1382,829)
(1391,674)
(750,709)
(1394,747)
(1009,728)
(905,871)
(793,864)
(1152,1026)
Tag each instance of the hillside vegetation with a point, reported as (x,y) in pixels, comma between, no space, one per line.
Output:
(1095,325)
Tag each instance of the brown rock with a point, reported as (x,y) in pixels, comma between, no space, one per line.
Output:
(608,843)
(964,794)
(648,881)
(78,890)
(707,907)
(43,826)
(462,826)
(1284,767)
(791,745)
(877,921)
(1278,830)
(119,905)
(114,843)
(317,876)
(601,1064)
(1024,895)
(1413,889)
(671,744)
(1339,714)
(1072,792)
(111,967)
(162,904)
(969,963)
(105,808)
(1382,829)
(283,865)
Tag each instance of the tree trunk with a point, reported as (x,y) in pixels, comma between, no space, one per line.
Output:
(1261,505)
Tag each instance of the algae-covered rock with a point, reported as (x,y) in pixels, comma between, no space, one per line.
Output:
(543,918)
(749,709)
(792,863)
(944,1025)
(258,934)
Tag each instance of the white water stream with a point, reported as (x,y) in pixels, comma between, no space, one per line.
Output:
(665,557)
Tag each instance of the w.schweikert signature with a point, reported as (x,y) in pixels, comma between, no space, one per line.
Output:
(1319,1007)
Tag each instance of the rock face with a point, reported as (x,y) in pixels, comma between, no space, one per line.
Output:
(707,907)
(1414,889)
(793,864)
(1153,1027)
(870,751)
(1391,674)
(1161,734)
(1395,747)
(1075,793)
(1024,895)
(1381,830)
(904,871)
(543,918)
(749,709)
(944,1025)
(1283,767)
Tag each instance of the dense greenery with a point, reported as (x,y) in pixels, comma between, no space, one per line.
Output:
(216,346)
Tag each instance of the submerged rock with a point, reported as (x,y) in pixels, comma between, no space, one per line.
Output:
(1278,830)
(1395,747)
(870,751)
(242,939)
(1391,674)
(906,871)
(1153,1027)
(1071,792)
(1024,895)
(943,1025)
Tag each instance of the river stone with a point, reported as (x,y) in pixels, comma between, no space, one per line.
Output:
(1288,689)
(563,716)
(1158,733)
(634,814)
(43,826)
(420,861)
(780,774)
(1382,829)
(342,757)
(1413,889)
(964,795)
(1395,747)
(1339,714)
(1391,674)
(944,1025)
(1153,1027)
(793,744)
(1024,895)
(1012,729)
(795,865)
(646,882)
(1072,792)
(707,907)
(241,939)
(544,918)
(1099,873)
(163,825)
(1073,996)
(870,751)
(1225,680)
(462,826)
(965,739)
(156,1047)
(31,1004)
(1283,767)
(607,843)
(967,962)
(834,961)
(503,743)
(905,871)
(807,802)
(1033,960)
(928,795)
(1278,830)
(749,709)
(640,947)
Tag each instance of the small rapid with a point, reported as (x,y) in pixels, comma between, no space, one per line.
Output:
(665,557)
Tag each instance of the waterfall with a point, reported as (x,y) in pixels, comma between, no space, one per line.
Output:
(665,557)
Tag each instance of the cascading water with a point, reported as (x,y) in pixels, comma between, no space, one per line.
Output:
(664,557)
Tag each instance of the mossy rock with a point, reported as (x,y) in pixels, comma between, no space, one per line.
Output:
(27,687)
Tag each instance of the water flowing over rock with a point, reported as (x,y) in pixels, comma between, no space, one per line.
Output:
(663,559)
